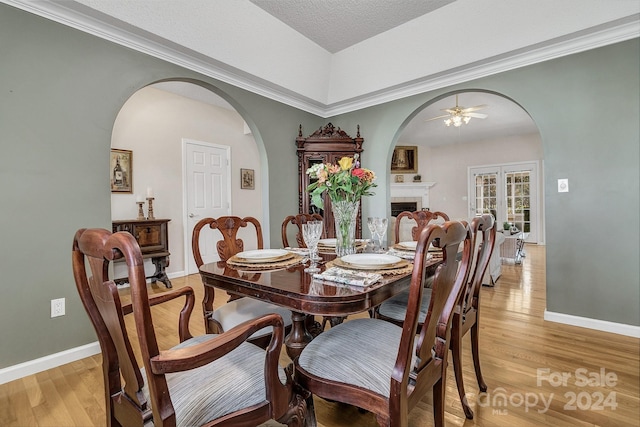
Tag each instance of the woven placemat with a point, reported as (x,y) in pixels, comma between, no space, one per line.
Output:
(239,265)
(390,272)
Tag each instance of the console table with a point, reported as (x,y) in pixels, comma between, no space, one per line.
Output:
(153,239)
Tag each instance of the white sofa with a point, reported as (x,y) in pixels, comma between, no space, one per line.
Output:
(494,269)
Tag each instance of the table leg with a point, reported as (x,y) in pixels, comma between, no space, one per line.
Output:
(160,275)
(299,337)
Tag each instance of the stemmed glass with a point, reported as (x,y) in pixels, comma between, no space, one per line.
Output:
(381,230)
(311,232)
(371,223)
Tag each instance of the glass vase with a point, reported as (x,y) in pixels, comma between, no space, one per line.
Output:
(345,214)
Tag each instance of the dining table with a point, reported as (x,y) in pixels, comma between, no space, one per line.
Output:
(304,295)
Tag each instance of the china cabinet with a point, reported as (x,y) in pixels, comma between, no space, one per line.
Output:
(326,145)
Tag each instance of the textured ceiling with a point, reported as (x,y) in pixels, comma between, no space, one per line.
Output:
(338,24)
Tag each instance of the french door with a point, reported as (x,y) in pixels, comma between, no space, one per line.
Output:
(509,192)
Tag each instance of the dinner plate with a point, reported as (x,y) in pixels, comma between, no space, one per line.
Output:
(327,242)
(407,246)
(331,243)
(371,260)
(400,264)
(263,255)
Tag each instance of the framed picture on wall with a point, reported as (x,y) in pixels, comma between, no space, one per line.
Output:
(247,179)
(405,159)
(121,162)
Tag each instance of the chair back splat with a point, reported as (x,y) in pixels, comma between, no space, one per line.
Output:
(422,219)
(220,380)
(298,220)
(387,368)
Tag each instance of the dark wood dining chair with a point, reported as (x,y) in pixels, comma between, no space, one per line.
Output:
(422,219)
(313,327)
(466,313)
(298,220)
(220,380)
(237,309)
(384,368)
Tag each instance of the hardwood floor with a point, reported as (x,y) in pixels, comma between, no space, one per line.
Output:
(524,360)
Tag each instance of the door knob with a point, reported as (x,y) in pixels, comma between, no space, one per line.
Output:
(192,215)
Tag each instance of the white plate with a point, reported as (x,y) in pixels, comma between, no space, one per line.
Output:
(411,245)
(262,254)
(371,260)
(327,242)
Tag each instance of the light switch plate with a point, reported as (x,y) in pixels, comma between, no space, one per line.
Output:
(563,185)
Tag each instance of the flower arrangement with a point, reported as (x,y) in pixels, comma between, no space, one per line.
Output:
(346,181)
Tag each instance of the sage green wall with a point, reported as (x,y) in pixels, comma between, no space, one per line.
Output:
(60,92)
(587,108)
(61,89)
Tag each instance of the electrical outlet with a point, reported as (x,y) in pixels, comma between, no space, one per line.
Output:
(57,307)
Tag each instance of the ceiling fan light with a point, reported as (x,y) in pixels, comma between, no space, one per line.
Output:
(448,122)
(457,121)
(467,119)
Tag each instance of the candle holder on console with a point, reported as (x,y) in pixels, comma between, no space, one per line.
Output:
(140,211)
(150,200)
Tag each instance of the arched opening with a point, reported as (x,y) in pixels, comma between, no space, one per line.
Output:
(158,124)
(452,162)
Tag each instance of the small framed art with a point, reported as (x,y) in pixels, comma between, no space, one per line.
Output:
(121,162)
(247,179)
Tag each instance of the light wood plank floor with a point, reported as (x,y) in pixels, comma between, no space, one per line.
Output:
(523,358)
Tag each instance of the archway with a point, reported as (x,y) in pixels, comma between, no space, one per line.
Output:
(446,154)
(154,123)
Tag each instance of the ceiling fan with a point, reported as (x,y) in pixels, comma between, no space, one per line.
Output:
(458,115)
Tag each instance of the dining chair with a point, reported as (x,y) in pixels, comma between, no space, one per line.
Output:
(220,380)
(298,220)
(384,368)
(466,313)
(238,309)
(422,219)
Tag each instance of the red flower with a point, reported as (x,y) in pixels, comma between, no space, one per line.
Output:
(359,173)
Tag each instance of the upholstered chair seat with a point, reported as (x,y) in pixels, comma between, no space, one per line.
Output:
(240,310)
(231,383)
(396,307)
(365,364)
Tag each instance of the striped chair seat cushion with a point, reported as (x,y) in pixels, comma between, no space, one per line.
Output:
(240,310)
(360,352)
(396,307)
(233,382)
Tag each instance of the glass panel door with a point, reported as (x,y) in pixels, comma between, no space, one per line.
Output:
(509,192)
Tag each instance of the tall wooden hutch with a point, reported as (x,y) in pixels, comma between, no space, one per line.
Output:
(326,145)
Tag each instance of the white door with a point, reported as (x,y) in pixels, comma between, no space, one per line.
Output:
(510,192)
(207,194)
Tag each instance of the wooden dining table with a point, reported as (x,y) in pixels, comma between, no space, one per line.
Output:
(297,290)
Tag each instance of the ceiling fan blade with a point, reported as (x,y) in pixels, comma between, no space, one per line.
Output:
(476,108)
(476,115)
(439,117)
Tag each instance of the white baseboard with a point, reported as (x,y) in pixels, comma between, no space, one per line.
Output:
(31,367)
(600,325)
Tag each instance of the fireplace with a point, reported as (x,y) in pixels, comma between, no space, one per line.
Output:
(398,207)
(410,196)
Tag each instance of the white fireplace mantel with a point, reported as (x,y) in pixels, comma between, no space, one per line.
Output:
(417,190)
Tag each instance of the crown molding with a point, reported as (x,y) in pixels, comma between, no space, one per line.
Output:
(618,31)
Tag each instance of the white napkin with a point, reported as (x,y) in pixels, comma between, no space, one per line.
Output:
(349,277)
(298,251)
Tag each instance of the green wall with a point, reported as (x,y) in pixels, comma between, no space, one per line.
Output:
(61,89)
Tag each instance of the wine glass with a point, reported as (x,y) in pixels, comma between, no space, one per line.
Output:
(381,230)
(311,232)
(372,228)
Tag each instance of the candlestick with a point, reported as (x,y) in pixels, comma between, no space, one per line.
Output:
(140,211)
(150,215)
(149,193)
